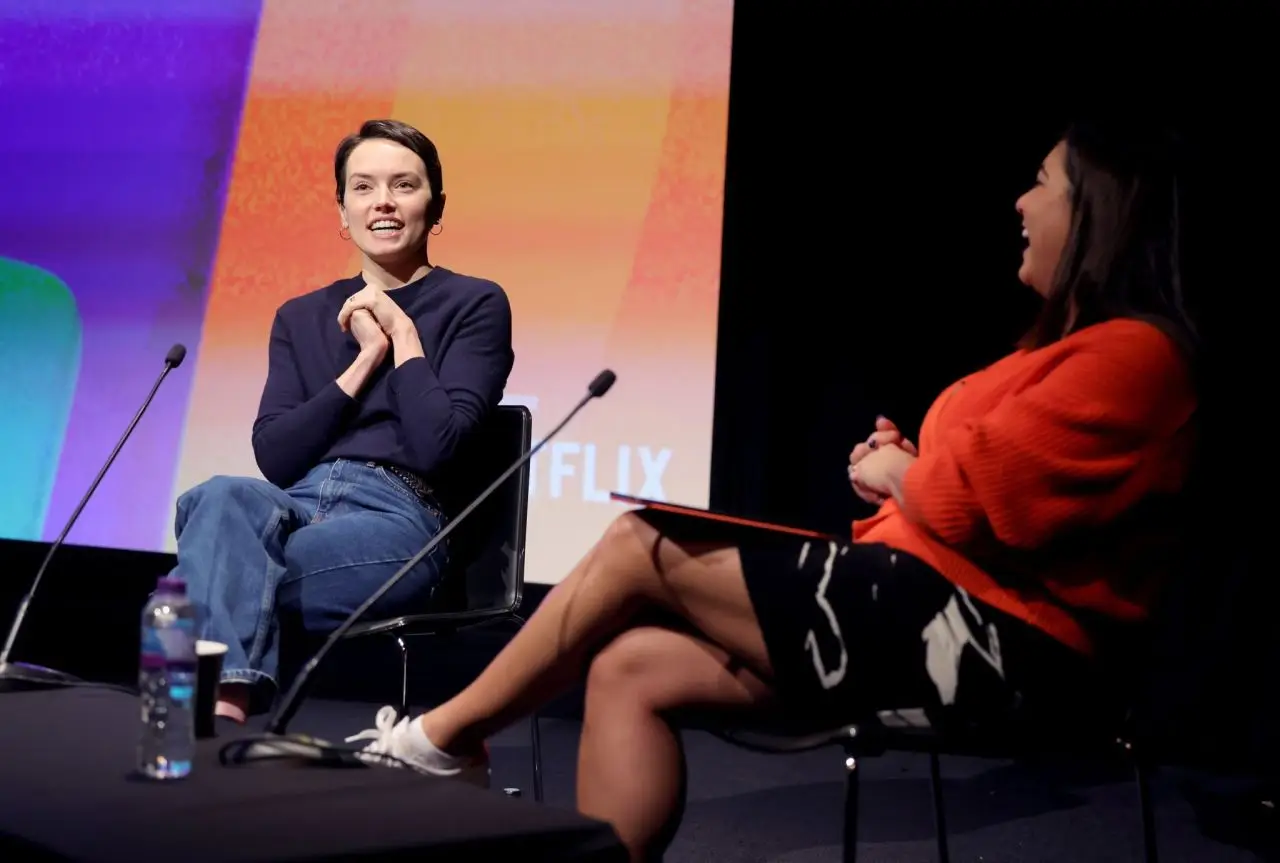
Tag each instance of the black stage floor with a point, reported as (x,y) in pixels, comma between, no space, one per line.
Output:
(751,808)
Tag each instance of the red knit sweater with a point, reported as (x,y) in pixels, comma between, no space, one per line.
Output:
(1044,482)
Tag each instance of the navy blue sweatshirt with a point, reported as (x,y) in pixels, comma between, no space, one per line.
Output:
(412,416)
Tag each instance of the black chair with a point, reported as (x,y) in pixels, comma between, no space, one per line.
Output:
(904,732)
(484,580)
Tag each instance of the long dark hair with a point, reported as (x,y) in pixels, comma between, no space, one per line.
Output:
(1123,257)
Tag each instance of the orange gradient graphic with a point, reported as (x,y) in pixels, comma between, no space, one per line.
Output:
(583,148)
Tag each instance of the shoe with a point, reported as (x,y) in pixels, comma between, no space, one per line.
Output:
(404,744)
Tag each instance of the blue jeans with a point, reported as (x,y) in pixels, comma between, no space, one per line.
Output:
(251,553)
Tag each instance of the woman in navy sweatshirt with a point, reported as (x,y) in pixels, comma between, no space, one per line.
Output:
(372,382)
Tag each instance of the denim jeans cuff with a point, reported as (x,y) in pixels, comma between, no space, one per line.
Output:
(246,675)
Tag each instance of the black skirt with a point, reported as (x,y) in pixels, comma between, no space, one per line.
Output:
(856,630)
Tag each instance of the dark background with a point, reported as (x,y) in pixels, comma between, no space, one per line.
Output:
(870,257)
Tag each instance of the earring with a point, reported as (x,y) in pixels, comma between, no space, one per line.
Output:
(437,228)
(344,233)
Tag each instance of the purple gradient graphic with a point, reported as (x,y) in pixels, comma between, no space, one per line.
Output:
(120,124)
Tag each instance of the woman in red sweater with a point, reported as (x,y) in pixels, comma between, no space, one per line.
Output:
(1031,517)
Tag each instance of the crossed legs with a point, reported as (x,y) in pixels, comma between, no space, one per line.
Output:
(630,763)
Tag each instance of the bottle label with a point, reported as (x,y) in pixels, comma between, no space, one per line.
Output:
(170,644)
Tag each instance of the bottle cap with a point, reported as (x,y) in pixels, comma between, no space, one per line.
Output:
(171,584)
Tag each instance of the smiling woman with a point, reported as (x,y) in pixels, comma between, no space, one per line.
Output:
(390,190)
(1046,220)
(372,383)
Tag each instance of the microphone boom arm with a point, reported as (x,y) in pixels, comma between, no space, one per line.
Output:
(16,626)
(292,700)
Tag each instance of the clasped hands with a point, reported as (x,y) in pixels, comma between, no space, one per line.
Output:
(374,320)
(877,464)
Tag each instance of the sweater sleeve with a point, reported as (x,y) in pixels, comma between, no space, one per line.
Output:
(292,433)
(437,409)
(1063,454)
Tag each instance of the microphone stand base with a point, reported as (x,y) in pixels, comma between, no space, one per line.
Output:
(298,748)
(22,677)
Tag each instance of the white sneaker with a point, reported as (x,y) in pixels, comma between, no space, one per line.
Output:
(408,746)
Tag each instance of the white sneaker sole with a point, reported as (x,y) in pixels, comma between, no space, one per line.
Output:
(478,775)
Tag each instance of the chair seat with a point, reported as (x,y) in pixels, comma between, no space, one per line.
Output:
(428,624)
(1069,735)
(775,741)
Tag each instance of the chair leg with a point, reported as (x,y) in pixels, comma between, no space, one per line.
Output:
(404,676)
(535,733)
(850,809)
(939,813)
(1149,849)
(1150,852)
(535,742)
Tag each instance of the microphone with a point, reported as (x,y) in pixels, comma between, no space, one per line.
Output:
(288,706)
(18,676)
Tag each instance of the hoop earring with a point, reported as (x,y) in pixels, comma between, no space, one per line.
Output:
(344,233)
(437,229)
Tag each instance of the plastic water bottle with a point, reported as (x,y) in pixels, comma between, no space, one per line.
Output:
(167,681)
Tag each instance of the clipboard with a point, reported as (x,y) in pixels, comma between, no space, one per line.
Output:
(710,525)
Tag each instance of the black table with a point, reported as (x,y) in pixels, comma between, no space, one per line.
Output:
(67,791)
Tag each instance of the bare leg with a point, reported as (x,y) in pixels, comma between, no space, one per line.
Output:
(233,701)
(632,568)
(630,764)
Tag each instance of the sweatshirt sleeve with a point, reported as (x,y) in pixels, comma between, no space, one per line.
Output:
(1065,453)
(292,433)
(437,409)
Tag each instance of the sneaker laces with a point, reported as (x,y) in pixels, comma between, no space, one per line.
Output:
(383,733)
(388,735)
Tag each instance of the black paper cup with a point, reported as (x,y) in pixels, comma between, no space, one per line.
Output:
(209,655)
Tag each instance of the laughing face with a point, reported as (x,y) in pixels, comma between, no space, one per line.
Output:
(1046,221)
(385,202)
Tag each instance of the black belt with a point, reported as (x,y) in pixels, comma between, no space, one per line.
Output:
(415,483)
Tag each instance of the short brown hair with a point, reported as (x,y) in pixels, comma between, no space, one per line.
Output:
(406,136)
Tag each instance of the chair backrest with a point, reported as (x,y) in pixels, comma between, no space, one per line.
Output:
(1207,700)
(486,552)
